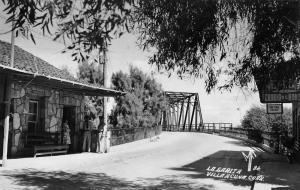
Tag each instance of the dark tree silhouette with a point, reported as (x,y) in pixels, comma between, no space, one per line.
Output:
(188,37)
(193,37)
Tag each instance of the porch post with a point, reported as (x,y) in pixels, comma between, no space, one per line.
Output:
(6,121)
(8,100)
(106,134)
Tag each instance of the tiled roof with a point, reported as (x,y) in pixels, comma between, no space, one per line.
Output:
(30,63)
(26,63)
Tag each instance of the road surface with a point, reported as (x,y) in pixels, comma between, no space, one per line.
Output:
(174,161)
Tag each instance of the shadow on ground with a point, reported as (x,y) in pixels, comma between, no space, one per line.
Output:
(55,180)
(274,172)
(282,173)
(222,159)
(274,168)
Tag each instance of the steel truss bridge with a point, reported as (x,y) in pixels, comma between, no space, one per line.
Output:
(183,113)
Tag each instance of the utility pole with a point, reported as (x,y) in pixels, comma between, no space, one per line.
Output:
(105,141)
(8,99)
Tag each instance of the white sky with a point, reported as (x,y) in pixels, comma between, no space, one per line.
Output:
(216,107)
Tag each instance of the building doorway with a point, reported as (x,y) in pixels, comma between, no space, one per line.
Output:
(69,114)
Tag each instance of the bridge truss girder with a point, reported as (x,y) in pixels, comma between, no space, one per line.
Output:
(183,112)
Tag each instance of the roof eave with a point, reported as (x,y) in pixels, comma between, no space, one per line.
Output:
(76,87)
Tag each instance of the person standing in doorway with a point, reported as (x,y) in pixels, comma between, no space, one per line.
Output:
(87,134)
(66,134)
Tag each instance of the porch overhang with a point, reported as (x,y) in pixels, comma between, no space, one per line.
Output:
(57,83)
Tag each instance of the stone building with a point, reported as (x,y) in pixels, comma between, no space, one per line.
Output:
(41,98)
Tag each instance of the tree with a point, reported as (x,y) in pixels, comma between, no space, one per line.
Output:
(192,37)
(84,26)
(92,73)
(143,104)
(282,123)
(257,118)
(189,37)
(256,121)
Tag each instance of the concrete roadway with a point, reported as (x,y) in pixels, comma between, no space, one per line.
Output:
(174,161)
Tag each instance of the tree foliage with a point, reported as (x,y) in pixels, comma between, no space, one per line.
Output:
(84,25)
(190,37)
(257,118)
(92,73)
(143,104)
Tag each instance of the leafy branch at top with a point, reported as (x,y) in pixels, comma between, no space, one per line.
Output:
(189,37)
(86,25)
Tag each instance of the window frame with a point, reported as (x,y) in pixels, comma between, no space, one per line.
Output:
(36,122)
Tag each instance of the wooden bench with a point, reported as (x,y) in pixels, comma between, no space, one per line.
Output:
(49,149)
(45,143)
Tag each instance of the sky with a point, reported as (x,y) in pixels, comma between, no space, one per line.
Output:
(228,107)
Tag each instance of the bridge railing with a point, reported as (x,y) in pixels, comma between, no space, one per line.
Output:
(125,135)
(205,127)
(263,137)
(215,127)
(267,139)
(181,127)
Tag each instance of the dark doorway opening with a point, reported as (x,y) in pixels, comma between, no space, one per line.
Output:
(69,114)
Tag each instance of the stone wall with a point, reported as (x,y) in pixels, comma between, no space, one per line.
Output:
(51,107)
(20,105)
